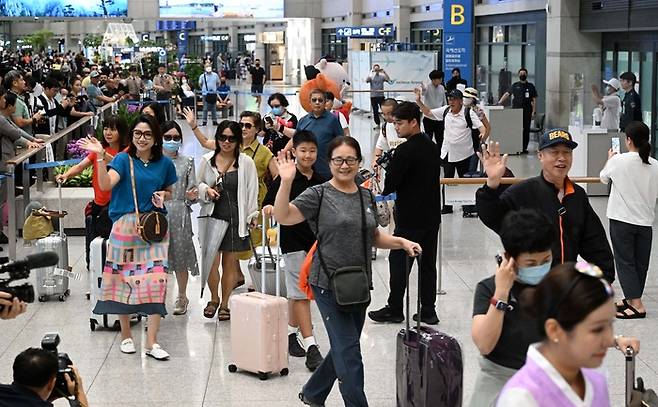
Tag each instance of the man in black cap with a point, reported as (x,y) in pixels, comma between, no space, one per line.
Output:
(458,138)
(578,228)
(631,109)
(524,96)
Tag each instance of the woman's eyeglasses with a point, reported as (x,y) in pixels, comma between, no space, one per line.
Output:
(231,139)
(247,126)
(584,270)
(338,161)
(146,135)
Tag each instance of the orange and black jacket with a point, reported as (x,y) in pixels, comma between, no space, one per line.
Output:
(579,229)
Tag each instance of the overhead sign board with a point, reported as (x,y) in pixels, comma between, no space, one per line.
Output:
(366,32)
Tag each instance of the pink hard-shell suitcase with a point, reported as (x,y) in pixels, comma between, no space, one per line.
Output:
(259,331)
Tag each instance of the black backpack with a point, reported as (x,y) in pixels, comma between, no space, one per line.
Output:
(475,133)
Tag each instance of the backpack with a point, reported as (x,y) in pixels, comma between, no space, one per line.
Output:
(475,133)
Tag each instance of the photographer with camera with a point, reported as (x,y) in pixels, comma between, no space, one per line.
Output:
(414,175)
(38,382)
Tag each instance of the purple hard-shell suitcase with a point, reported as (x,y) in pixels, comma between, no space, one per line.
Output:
(429,368)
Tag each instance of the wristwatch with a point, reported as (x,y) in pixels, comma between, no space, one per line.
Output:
(500,305)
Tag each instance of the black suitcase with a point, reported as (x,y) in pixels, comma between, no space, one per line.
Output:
(429,367)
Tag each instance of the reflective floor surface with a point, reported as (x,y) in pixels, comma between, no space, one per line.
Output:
(197,373)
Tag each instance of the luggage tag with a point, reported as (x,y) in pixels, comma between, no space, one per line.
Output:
(66,273)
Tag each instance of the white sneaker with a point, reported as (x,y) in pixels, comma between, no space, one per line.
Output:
(180,306)
(157,353)
(128,346)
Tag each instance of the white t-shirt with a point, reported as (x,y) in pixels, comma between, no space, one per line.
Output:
(611,111)
(634,188)
(457,141)
(390,140)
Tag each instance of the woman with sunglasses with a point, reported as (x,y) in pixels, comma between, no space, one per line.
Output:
(182,255)
(342,215)
(574,309)
(135,273)
(228,190)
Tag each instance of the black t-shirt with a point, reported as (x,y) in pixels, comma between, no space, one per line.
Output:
(522,95)
(631,109)
(296,237)
(15,395)
(257,75)
(453,82)
(518,331)
(279,142)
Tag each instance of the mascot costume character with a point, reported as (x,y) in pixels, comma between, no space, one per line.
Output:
(328,76)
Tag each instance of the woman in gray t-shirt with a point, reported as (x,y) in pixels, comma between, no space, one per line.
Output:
(334,212)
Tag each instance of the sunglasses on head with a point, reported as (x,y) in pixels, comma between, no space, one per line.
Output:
(230,139)
(247,126)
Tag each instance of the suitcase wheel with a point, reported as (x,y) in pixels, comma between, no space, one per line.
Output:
(88,295)
(232,368)
(92,325)
(67,292)
(62,298)
(42,298)
(284,371)
(262,375)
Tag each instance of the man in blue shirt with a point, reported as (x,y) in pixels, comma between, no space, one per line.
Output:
(324,125)
(223,97)
(208,82)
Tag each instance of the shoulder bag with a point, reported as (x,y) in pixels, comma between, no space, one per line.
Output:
(349,284)
(210,98)
(151,226)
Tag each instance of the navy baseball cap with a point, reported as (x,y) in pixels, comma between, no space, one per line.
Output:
(554,137)
(455,93)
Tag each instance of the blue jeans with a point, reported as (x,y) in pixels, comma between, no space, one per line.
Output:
(213,110)
(343,361)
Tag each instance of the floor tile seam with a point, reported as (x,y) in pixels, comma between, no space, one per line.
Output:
(107,355)
(447,264)
(212,357)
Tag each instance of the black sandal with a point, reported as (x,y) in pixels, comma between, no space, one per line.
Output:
(624,305)
(211,309)
(635,313)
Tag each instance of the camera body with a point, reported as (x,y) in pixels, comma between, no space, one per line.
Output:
(24,292)
(50,342)
(385,159)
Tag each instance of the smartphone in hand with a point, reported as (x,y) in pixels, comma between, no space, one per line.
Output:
(615,145)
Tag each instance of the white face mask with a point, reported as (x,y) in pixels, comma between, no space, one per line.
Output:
(468,101)
(208,69)
(184,81)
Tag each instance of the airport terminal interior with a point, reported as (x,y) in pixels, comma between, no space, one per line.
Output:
(573,51)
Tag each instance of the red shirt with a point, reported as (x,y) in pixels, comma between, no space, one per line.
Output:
(101,197)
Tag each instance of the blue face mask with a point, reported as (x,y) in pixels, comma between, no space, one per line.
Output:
(172,146)
(533,275)
(277,111)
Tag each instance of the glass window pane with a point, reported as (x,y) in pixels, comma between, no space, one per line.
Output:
(635,63)
(608,71)
(514,57)
(483,34)
(645,86)
(498,33)
(515,34)
(622,62)
(530,34)
(483,55)
(530,60)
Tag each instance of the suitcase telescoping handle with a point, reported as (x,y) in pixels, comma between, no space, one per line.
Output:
(265,241)
(408,313)
(630,374)
(61,220)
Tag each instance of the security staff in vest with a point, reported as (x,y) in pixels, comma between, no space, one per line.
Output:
(524,96)
(579,231)
(631,109)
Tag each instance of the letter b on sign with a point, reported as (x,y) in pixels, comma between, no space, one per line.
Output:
(457,14)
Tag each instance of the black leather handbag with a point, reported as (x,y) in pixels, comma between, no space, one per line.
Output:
(349,284)
(152,226)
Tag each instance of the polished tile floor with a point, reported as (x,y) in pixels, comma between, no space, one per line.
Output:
(197,373)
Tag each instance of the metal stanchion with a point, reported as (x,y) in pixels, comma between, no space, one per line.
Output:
(439,268)
(12,221)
